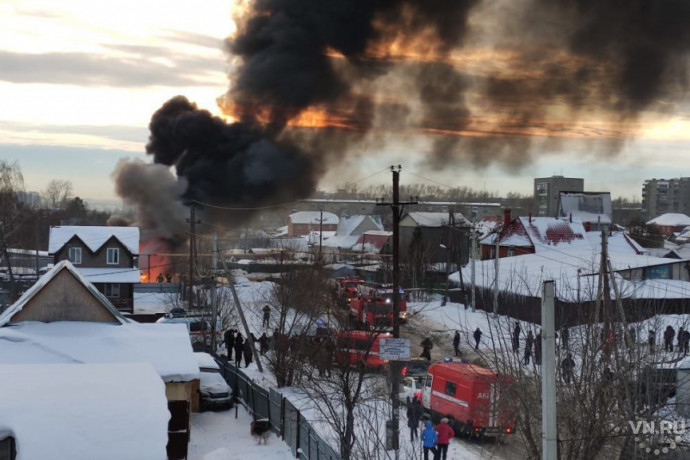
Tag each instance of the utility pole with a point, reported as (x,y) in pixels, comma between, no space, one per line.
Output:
(496,276)
(231,284)
(549,428)
(320,233)
(396,207)
(447,245)
(474,255)
(214,298)
(192,253)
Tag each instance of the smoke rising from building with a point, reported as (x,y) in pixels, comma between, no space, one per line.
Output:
(488,81)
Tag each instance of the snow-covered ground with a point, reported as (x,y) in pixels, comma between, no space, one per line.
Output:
(221,436)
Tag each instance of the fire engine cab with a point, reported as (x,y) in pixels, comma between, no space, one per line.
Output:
(346,289)
(470,396)
(367,313)
(354,347)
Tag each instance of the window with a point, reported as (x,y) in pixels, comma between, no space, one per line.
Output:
(428,381)
(511,252)
(113,256)
(111,290)
(450,388)
(75,255)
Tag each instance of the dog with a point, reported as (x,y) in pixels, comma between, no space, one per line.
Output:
(260,430)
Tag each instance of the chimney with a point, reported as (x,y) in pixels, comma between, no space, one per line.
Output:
(530,217)
(506,217)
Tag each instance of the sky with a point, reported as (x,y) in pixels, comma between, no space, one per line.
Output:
(80,81)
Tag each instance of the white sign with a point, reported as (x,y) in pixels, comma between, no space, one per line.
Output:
(395,349)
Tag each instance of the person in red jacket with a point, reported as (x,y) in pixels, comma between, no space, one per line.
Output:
(445,432)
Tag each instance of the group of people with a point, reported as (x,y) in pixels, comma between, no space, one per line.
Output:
(683,339)
(234,341)
(168,278)
(434,439)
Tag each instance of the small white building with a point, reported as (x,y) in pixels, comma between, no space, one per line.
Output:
(82,411)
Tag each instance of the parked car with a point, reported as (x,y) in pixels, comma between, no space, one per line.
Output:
(199,329)
(214,391)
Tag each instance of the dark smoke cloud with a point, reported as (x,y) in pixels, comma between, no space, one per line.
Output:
(551,67)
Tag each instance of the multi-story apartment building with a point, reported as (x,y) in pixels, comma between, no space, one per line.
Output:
(660,196)
(547,190)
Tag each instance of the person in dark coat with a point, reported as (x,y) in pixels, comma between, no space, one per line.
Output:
(477,338)
(168,278)
(679,338)
(567,368)
(686,342)
(565,337)
(247,351)
(537,349)
(651,340)
(528,347)
(669,335)
(229,339)
(427,345)
(239,348)
(267,316)
(516,337)
(413,416)
(263,344)
(456,343)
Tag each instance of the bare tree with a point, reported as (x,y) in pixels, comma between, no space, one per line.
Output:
(57,193)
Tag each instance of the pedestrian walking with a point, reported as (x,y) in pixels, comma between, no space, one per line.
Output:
(267,316)
(413,416)
(247,352)
(669,335)
(456,343)
(429,440)
(229,339)
(445,433)
(477,337)
(239,348)
(686,342)
(567,368)
(427,345)
(529,341)
(516,337)
(537,349)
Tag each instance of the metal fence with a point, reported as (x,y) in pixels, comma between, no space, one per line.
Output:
(285,419)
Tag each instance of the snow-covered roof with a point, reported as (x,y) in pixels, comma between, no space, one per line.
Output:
(93,237)
(588,207)
(670,220)
(436,219)
(348,224)
(30,293)
(545,232)
(204,360)
(569,268)
(165,346)
(313,217)
(111,275)
(372,241)
(78,411)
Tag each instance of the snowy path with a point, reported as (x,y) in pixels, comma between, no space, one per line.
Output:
(219,436)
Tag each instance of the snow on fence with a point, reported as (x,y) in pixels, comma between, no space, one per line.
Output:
(285,419)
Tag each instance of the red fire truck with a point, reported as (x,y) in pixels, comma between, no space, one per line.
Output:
(371,313)
(346,289)
(353,347)
(473,398)
(384,293)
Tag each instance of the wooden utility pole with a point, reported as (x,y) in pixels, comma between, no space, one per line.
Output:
(214,297)
(396,207)
(192,253)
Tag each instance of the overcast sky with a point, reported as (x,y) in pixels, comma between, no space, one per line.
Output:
(80,80)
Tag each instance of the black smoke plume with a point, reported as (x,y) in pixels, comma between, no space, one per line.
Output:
(545,69)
